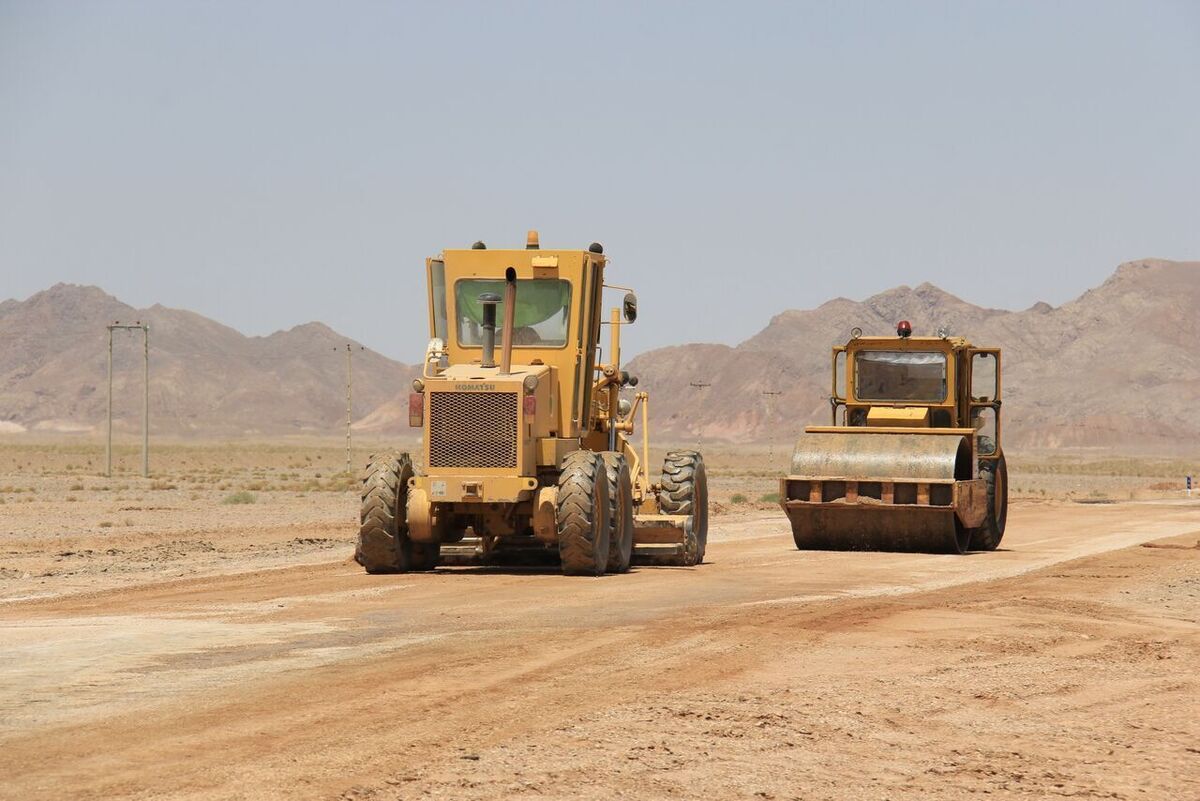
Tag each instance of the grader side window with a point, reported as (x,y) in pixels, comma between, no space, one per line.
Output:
(437,285)
(887,375)
(542,315)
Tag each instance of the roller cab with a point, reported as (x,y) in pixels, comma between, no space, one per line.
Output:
(912,460)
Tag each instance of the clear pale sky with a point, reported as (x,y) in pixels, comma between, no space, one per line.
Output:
(271,163)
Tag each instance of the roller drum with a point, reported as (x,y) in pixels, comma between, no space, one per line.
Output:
(881,468)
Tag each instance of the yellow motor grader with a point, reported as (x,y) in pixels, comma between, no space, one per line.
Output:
(525,430)
(913,460)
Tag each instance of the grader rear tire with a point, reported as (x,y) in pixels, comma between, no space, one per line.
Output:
(685,492)
(383,543)
(620,512)
(582,515)
(995,476)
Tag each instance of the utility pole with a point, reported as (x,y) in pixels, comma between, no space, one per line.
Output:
(146,401)
(145,329)
(700,428)
(770,396)
(108,441)
(349,399)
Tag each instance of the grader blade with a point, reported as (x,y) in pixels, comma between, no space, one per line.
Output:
(664,540)
(851,489)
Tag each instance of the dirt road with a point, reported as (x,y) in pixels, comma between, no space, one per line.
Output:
(1064,665)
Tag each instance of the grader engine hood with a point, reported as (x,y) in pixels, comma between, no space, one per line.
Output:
(481,428)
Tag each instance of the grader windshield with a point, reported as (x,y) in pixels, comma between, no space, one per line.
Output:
(542,311)
(889,375)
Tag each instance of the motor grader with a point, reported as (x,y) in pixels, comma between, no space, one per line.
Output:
(530,453)
(913,460)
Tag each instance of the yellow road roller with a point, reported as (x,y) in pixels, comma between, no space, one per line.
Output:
(913,458)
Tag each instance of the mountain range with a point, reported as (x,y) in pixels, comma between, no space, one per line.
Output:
(1117,368)
(206,378)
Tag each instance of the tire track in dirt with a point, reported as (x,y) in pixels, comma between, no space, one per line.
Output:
(343,681)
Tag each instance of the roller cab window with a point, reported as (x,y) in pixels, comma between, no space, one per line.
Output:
(890,375)
(542,317)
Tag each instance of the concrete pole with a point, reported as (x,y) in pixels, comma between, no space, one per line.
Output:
(108,441)
(770,396)
(700,428)
(349,414)
(146,401)
(145,329)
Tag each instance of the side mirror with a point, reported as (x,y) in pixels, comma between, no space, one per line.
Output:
(630,307)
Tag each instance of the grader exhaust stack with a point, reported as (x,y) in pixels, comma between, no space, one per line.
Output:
(913,461)
(510,310)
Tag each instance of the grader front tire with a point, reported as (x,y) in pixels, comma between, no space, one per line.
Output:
(581,515)
(383,542)
(685,492)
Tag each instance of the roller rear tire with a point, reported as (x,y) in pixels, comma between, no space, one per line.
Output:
(995,476)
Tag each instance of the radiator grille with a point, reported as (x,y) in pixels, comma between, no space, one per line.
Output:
(473,429)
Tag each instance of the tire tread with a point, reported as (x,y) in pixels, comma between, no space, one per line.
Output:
(582,513)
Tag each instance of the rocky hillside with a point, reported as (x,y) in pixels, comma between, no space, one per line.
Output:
(206,379)
(1117,367)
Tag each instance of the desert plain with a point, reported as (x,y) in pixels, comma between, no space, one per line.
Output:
(204,633)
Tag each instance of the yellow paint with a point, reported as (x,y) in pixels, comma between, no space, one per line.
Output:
(903,417)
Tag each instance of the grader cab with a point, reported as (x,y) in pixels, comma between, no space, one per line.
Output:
(526,434)
(913,460)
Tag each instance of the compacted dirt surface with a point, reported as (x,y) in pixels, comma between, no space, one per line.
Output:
(252,659)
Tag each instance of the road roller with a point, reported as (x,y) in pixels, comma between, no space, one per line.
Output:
(913,459)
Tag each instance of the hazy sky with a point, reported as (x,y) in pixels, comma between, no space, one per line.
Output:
(267,164)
